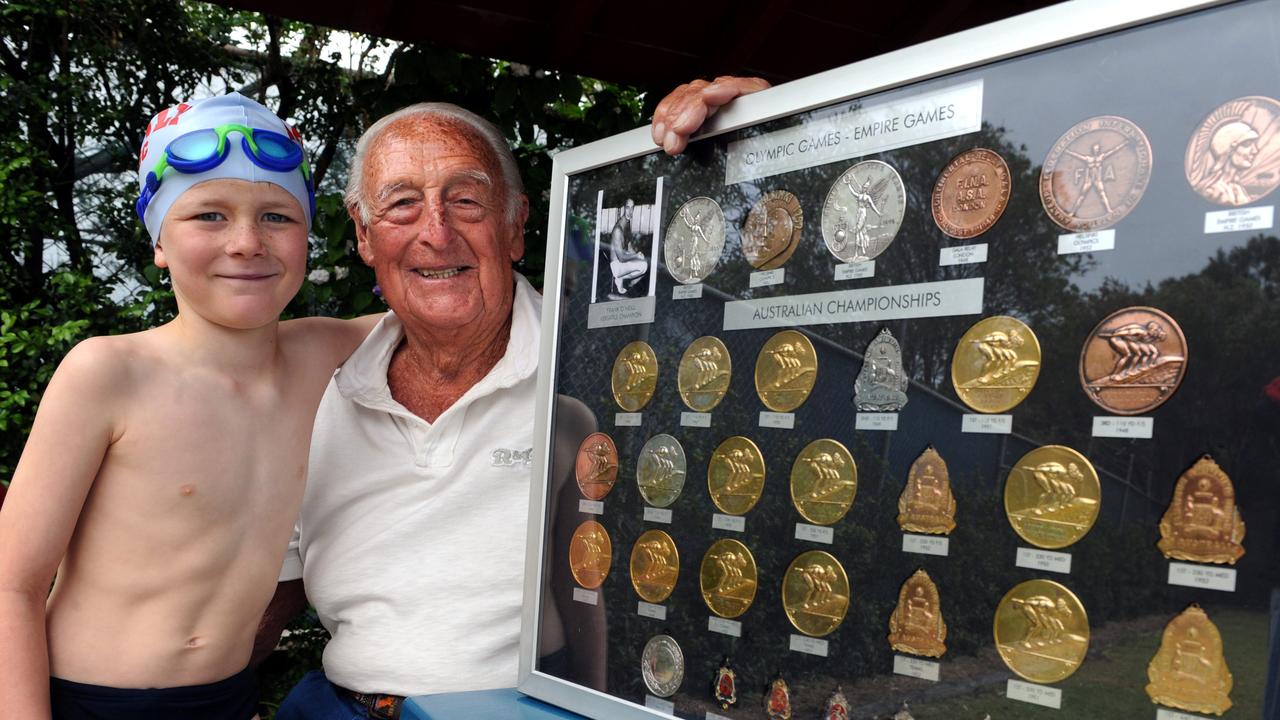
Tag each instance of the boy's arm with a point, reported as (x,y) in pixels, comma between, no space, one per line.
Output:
(330,340)
(72,430)
(288,601)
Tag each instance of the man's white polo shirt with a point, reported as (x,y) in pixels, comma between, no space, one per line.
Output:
(412,534)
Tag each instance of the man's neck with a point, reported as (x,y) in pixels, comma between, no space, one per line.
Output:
(428,375)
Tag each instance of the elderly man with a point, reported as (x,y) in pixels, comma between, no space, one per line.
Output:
(412,531)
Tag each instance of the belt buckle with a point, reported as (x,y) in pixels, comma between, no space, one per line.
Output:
(381,707)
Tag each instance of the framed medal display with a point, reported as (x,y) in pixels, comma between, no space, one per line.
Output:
(941,385)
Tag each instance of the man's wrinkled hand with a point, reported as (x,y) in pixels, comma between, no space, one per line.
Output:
(686,108)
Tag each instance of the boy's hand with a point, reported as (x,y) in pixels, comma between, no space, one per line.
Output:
(682,112)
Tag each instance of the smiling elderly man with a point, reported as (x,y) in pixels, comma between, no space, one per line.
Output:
(411,540)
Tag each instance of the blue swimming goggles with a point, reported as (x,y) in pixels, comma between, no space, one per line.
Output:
(203,150)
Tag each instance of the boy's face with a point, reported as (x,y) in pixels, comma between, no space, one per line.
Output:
(236,251)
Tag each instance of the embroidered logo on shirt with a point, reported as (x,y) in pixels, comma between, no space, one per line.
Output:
(503,457)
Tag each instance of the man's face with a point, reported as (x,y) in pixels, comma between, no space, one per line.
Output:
(438,238)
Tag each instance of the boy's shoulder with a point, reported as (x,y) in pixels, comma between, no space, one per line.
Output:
(109,360)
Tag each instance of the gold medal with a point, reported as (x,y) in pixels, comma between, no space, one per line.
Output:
(786,370)
(655,566)
(1189,671)
(1052,497)
(728,578)
(996,364)
(735,475)
(815,593)
(590,554)
(824,481)
(926,504)
(635,376)
(705,371)
(596,467)
(1203,523)
(1041,631)
(661,471)
(916,625)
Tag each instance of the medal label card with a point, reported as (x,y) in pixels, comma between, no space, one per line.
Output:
(1048,560)
(724,626)
(588,597)
(714,716)
(917,668)
(782,421)
(695,419)
(649,610)
(855,271)
(939,545)
(657,703)
(1209,577)
(765,278)
(686,292)
(1239,220)
(1087,242)
(1111,426)
(732,523)
(658,515)
(1035,694)
(963,255)
(627,419)
(988,424)
(1163,714)
(591,507)
(621,312)
(876,421)
(815,533)
(808,645)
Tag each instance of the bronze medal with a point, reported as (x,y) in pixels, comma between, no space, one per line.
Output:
(916,625)
(1095,174)
(725,687)
(635,376)
(971,193)
(704,374)
(1203,523)
(590,554)
(1052,497)
(815,593)
(1133,361)
(1041,631)
(728,578)
(777,699)
(655,566)
(995,364)
(596,467)
(824,482)
(926,504)
(735,475)
(1234,156)
(772,231)
(786,370)
(1189,671)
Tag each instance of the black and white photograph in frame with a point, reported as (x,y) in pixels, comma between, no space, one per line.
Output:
(626,242)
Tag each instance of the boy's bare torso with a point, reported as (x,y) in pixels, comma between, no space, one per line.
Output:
(184,529)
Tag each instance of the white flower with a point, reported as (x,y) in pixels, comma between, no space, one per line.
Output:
(519,69)
(341,272)
(319,276)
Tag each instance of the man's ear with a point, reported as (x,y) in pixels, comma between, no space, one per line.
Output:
(362,236)
(517,229)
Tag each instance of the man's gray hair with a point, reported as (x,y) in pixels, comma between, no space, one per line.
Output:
(512,186)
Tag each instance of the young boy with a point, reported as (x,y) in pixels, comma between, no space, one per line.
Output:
(164,470)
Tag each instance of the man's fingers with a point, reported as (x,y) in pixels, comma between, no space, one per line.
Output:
(685,109)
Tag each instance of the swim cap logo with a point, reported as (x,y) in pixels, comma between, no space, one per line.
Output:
(161,120)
